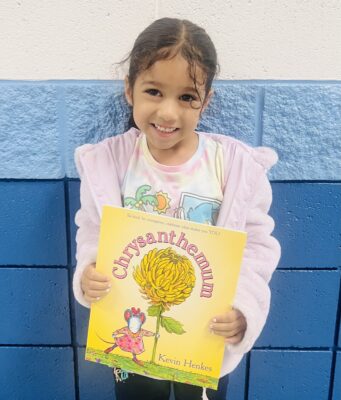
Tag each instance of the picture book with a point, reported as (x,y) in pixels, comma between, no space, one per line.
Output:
(170,277)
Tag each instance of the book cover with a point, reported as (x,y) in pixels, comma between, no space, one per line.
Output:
(170,278)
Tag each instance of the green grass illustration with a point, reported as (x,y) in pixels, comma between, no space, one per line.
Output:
(150,369)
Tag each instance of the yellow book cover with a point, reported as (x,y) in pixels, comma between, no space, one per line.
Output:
(170,278)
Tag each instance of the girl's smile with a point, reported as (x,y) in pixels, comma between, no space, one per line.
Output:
(164,128)
(167,107)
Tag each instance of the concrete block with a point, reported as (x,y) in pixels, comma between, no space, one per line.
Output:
(232,112)
(82,315)
(93,112)
(35,306)
(302,123)
(32,216)
(29,132)
(96,381)
(236,387)
(308,224)
(303,309)
(284,375)
(37,373)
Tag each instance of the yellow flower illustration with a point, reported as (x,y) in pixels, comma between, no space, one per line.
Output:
(162,202)
(165,279)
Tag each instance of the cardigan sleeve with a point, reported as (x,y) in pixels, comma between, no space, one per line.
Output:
(88,222)
(101,168)
(261,256)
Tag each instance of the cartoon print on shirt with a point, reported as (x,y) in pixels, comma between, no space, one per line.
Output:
(160,201)
(198,209)
(163,202)
(141,199)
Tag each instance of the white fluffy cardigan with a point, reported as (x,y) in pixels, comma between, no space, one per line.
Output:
(247,199)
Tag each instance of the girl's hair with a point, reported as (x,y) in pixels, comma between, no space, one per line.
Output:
(167,37)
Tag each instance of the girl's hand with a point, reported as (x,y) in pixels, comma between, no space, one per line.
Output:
(94,284)
(231,325)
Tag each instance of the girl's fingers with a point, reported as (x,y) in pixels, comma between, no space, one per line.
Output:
(91,274)
(227,334)
(97,276)
(95,289)
(227,327)
(91,299)
(235,339)
(230,330)
(94,285)
(228,317)
(96,293)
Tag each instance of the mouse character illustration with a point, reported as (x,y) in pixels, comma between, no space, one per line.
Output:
(130,337)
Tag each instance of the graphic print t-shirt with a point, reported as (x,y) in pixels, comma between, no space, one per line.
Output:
(192,191)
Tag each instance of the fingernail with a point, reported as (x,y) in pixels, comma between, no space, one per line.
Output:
(98,298)
(108,290)
(214,320)
(211,327)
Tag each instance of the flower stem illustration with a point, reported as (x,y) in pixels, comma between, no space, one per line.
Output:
(158,321)
(166,278)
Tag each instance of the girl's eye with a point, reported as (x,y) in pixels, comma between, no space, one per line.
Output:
(188,98)
(153,92)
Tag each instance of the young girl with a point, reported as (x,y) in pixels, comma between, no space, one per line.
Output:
(197,176)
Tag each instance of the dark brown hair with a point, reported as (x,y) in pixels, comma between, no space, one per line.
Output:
(167,37)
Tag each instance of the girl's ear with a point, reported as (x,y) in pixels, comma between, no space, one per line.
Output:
(207,100)
(128,91)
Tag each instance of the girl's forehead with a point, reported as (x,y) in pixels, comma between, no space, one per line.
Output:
(173,72)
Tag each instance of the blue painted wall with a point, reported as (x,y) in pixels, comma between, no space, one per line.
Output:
(43,330)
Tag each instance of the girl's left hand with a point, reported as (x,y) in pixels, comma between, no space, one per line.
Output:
(231,325)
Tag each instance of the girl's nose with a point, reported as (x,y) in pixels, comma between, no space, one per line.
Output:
(167,110)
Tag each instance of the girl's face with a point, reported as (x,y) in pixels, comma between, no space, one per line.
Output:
(166,108)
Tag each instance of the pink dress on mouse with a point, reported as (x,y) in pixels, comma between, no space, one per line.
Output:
(131,342)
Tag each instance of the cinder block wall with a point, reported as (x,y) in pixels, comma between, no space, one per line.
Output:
(294,47)
(43,331)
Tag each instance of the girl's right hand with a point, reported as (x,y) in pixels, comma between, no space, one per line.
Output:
(94,284)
